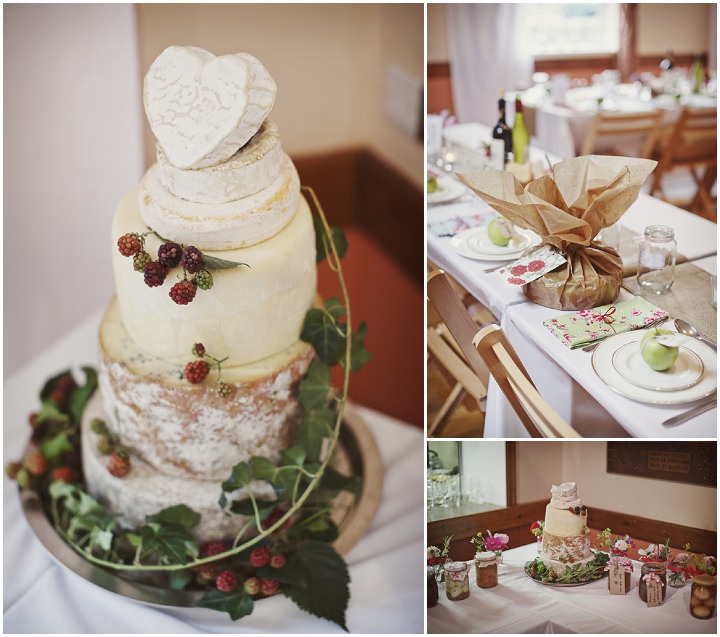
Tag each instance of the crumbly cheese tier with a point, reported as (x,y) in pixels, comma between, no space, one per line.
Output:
(564,523)
(224,226)
(146,491)
(559,565)
(566,549)
(252,169)
(189,430)
(250,313)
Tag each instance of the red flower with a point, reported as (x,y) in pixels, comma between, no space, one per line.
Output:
(516,281)
(535,266)
(518,270)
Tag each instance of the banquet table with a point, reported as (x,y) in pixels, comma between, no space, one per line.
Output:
(42,596)
(520,605)
(566,378)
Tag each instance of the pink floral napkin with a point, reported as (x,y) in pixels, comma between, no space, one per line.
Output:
(581,328)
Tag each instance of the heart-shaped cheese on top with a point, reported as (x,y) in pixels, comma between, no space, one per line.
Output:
(203,108)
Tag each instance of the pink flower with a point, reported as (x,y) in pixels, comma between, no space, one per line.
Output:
(494,544)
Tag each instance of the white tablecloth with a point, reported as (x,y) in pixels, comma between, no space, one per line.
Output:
(520,605)
(385,568)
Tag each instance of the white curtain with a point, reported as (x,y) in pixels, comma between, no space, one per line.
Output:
(485,59)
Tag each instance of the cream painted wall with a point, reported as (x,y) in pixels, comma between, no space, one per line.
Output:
(329,62)
(437,47)
(543,463)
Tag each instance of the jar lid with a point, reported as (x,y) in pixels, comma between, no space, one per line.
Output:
(485,556)
(456,567)
(704,580)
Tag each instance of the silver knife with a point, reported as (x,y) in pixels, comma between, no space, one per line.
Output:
(691,413)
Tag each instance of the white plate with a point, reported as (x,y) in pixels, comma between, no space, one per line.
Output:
(602,362)
(686,371)
(447,190)
(475,244)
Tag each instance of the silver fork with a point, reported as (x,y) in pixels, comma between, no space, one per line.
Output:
(593,345)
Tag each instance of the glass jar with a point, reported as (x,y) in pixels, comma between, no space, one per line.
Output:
(486,571)
(457,581)
(650,570)
(703,596)
(433,594)
(656,259)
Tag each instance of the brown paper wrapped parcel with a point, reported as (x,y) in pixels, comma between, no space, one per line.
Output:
(568,209)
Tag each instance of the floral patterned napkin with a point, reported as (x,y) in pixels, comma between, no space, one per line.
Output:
(580,328)
(451,227)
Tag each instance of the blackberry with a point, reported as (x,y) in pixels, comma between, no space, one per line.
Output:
(226,581)
(277,560)
(196,371)
(62,473)
(204,280)
(155,273)
(224,390)
(140,260)
(129,244)
(260,556)
(169,254)
(35,463)
(193,260)
(198,350)
(183,292)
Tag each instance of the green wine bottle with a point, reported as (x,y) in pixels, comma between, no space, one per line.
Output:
(520,135)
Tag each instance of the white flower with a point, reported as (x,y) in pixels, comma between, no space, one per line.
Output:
(433,551)
(650,550)
(621,545)
(502,537)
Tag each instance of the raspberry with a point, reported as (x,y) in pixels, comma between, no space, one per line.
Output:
(252,585)
(35,463)
(192,259)
(204,280)
(226,581)
(62,473)
(277,560)
(119,463)
(213,548)
(207,572)
(169,254)
(269,586)
(33,419)
(129,244)
(140,260)
(66,384)
(224,390)
(275,515)
(196,371)
(198,350)
(155,274)
(58,398)
(183,292)
(260,556)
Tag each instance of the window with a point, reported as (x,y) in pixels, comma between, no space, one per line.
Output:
(569,29)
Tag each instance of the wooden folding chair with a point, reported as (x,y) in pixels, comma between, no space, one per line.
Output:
(449,345)
(692,145)
(539,418)
(621,128)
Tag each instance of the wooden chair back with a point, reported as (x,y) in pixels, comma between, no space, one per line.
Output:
(539,418)
(642,126)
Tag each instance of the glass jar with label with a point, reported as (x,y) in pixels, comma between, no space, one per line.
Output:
(486,572)
(703,596)
(656,259)
(652,574)
(457,581)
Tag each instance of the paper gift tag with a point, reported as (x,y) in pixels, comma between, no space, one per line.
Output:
(531,266)
(654,592)
(616,580)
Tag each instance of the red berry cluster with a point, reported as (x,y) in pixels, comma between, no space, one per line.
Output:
(169,256)
(109,444)
(196,372)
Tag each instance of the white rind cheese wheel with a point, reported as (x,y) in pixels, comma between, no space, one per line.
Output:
(253,168)
(250,313)
(564,523)
(189,430)
(235,224)
(203,108)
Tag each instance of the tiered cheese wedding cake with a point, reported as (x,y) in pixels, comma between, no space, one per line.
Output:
(214,263)
(565,538)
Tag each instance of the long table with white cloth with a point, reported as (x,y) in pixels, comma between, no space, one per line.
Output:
(519,605)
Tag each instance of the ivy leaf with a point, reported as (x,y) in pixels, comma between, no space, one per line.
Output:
(358,354)
(54,447)
(316,578)
(237,603)
(50,411)
(324,334)
(179,580)
(51,384)
(322,247)
(216,263)
(293,456)
(81,395)
(334,308)
(172,543)
(314,427)
(245,507)
(334,481)
(239,478)
(180,515)
(314,388)
(262,469)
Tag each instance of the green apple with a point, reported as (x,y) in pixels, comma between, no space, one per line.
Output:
(499,232)
(660,357)
(431,184)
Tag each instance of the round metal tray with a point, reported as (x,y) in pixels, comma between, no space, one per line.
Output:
(357,454)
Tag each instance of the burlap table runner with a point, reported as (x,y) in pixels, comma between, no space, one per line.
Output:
(689,298)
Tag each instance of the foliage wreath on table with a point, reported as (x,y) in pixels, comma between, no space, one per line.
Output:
(290,550)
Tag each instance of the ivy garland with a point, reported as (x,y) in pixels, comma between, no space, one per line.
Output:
(296,524)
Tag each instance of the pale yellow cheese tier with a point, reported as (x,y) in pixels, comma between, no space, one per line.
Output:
(189,430)
(146,491)
(564,523)
(249,314)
